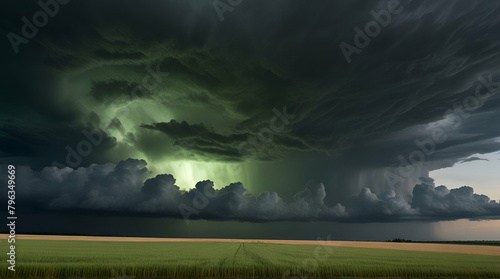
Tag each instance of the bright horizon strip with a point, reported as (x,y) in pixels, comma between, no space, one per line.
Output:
(483,176)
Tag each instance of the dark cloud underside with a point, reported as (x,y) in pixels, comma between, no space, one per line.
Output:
(266,89)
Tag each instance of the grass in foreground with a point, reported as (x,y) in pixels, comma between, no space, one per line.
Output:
(54,258)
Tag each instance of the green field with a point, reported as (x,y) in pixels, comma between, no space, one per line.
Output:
(58,258)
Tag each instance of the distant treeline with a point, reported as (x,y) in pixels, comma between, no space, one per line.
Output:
(399,240)
(469,242)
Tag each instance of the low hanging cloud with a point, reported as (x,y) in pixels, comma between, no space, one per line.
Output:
(125,189)
(427,202)
(199,138)
(225,78)
(472,159)
(452,203)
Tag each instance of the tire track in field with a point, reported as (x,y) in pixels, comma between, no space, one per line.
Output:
(255,256)
(239,248)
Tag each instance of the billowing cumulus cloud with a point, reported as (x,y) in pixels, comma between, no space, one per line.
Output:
(125,189)
(453,203)
(427,202)
(168,82)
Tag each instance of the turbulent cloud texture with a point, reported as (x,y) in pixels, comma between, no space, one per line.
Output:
(125,189)
(228,76)
(167,82)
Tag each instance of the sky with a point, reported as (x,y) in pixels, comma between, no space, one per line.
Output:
(253,119)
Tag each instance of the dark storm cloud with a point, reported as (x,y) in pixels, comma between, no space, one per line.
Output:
(183,130)
(234,146)
(117,91)
(199,139)
(225,79)
(428,202)
(107,55)
(461,202)
(245,68)
(209,144)
(116,124)
(388,204)
(124,189)
(52,143)
(472,159)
